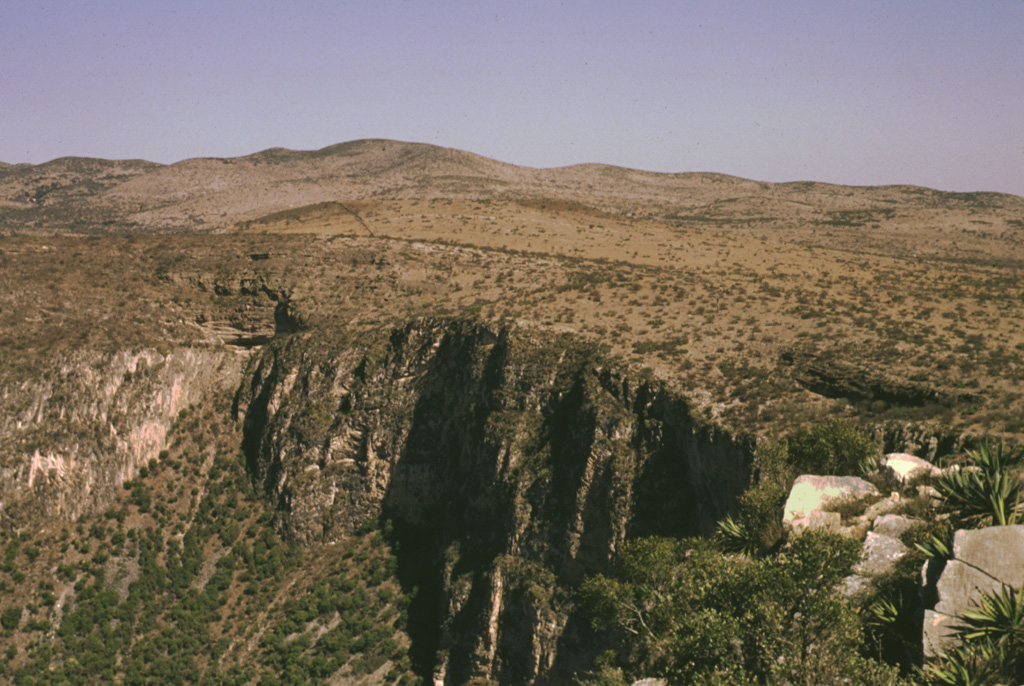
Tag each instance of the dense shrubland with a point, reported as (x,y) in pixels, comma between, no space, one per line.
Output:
(186,581)
(755,606)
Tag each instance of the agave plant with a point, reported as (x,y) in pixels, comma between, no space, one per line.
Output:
(938,547)
(969,664)
(736,537)
(882,614)
(998,616)
(992,647)
(985,492)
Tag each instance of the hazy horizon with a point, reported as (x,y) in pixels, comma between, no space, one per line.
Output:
(922,93)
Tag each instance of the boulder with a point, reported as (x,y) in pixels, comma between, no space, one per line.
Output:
(878,556)
(817,521)
(882,507)
(810,495)
(983,560)
(900,468)
(893,525)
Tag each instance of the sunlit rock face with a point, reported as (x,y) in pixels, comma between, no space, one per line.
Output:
(983,560)
(72,436)
(811,495)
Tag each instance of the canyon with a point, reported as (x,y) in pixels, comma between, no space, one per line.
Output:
(482,378)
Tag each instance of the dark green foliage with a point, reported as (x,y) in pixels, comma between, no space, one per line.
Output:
(835,448)
(992,647)
(985,491)
(681,610)
(756,527)
(218,598)
(10,618)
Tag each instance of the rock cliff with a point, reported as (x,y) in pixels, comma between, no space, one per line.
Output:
(505,463)
(72,436)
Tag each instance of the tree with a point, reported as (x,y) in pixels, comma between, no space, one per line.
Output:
(11,618)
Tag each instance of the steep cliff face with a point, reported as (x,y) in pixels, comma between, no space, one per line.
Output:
(71,437)
(508,465)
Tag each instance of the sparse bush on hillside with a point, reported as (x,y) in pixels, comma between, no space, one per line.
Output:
(10,618)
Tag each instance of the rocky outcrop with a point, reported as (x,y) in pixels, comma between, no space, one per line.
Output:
(983,560)
(878,557)
(901,468)
(811,495)
(893,525)
(508,464)
(72,436)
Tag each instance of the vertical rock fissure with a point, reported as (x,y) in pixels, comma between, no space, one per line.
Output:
(509,465)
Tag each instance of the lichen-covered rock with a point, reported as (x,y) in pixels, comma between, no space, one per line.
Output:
(879,556)
(817,521)
(811,494)
(892,525)
(901,468)
(983,560)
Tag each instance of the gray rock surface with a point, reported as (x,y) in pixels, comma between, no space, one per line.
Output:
(893,525)
(879,556)
(983,560)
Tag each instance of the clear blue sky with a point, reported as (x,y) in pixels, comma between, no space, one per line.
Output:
(929,92)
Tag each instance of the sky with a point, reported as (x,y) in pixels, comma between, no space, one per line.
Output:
(862,92)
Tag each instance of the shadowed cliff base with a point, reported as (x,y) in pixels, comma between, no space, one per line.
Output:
(502,461)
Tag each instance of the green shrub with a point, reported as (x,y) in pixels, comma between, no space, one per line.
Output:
(682,611)
(11,618)
(834,448)
(756,527)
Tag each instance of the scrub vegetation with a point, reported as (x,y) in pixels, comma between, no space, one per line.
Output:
(669,320)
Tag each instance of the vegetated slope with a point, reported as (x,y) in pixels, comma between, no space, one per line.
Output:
(505,465)
(518,369)
(208,193)
(182,579)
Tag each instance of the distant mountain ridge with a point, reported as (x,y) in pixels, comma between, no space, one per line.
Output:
(88,195)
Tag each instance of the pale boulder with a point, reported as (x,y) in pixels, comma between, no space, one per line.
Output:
(900,468)
(811,495)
